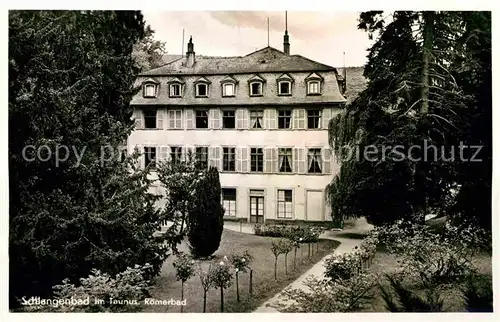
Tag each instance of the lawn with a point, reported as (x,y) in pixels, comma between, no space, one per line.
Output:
(264,285)
(386,263)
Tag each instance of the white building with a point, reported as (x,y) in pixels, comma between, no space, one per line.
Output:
(262,119)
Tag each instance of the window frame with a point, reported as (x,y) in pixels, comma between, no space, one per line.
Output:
(148,161)
(284,117)
(224,94)
(196,118)
(224,117)
(259,162)
(199,161)
(230,200)
(280,149)
(261,88)
(197,90)
(170,86)
(313,81)
(285,81)
(314,116)
(261,117)
(317,153)
(285,202)
(148,117)
(176,154)
(231,150)
(175,119)
(155,91)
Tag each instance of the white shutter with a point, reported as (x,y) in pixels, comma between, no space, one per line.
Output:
(298,118)
(244,160)
(163,153)
(238,160)
(215,118)
(246,119)
(240,119)
(190,152)
(268,160)
(275,160)
(212,161)
(171,119)
(270,118)
(218,157)
(140,160)
(189,119)
(326,116)
(301,160)
(137,116)
(159,118)
(327,161)
(295,160)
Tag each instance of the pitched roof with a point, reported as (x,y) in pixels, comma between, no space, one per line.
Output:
(267,59)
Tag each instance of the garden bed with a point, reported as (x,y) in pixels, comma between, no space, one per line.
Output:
(264,284)
(384,262)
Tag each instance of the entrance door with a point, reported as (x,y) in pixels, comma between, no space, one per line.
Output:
(314,210)
(256,209)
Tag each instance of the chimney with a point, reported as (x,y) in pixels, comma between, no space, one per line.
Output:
(190,56)
(286,44)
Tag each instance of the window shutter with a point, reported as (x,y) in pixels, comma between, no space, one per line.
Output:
(159,119)
(268,160)
(244,160)
(301,160)
(212,161)
(299,119)
(163,153)
(171,119)
(327,161)
(215,117)
(295,160)
(326,116)
(240,119)
(246,119)
(139,163)
(190,152)
(270,118)
(183,153)
(238,160)
(189,119)
(137,116)
(219,157)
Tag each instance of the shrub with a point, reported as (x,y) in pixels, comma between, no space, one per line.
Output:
(278,248)
(341,267)
(398,298)
(184,270)
(206,220)
(206,282)
(126,290)
(349,295)
(241,264)
(477,293)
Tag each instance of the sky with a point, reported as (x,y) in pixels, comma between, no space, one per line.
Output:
(320,36)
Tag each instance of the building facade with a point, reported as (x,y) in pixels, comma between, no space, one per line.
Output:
(261,119)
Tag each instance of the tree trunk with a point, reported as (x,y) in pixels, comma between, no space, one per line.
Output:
(286,268)
(182,295)
(222,299)
(294,258)
(275,268)
(204,301)
(250,282)
(237,289)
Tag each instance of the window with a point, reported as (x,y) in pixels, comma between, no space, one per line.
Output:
(149,157)
(202,119)
(202,156)
(285,88)
(176,154)
(256,118)
(201,90)
(313,87)
(228,120)
(256,160)
(175,90)
(175,119)
(229,201)
(285,203)
(314,161)
(228,90)
(150,118)
(313,119)
(228,159)
(285,160)
(150,90)
(284,119)
(255,89)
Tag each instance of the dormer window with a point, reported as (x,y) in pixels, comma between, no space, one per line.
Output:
(176,88)
(313,87)
(228,86)
(313,82)
(255,89)
(285,88)
(201,90)
(150,88)
(256,85)
(228,89)
(201,87)
(285,85)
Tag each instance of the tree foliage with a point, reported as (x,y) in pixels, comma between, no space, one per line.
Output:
(429,85)
(71,76)
(148,53)
(206,218)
